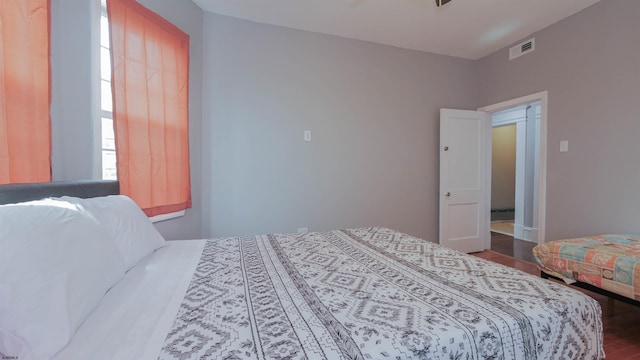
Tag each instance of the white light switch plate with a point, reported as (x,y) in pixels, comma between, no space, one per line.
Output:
(564,145)
(307,135)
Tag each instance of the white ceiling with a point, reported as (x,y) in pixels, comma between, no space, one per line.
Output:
(464,28)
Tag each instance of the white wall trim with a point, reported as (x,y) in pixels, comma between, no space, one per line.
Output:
(542,97)
(488,159)
(521,149)
(530,234)
(509,116)
(163,217)
(498,123)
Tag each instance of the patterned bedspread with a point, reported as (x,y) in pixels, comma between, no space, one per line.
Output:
(610,262)
(373,293)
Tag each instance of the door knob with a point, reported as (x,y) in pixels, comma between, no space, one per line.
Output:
(448,194)
(446,148)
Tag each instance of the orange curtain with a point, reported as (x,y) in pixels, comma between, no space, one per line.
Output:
(150,81)
(25,92)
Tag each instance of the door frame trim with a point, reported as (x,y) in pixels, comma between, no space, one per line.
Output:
(541,97)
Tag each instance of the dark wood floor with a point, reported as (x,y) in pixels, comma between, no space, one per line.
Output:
(511,246)
(621,321)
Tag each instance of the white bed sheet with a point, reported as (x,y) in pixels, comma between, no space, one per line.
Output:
(132,320)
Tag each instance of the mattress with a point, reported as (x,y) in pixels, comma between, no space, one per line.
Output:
(369,293)
(610,262)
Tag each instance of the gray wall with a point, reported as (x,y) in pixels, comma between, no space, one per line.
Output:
(373,112)
(590,65)
(73,96)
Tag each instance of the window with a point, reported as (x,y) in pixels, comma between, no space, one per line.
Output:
(109,171)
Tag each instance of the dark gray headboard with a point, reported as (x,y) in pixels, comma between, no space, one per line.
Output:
(14,193)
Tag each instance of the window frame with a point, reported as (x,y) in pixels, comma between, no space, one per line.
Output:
(103,113)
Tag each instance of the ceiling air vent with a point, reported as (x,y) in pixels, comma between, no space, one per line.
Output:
(441,2)
(519,50)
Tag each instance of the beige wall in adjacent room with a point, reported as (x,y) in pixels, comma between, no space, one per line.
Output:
(503,167)
(590,65)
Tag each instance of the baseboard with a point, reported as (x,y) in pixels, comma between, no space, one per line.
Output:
(530,234)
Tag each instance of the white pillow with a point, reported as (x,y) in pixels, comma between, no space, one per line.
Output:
(133,232)
(56,263)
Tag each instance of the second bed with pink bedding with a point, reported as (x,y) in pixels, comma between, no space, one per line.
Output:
(609,262)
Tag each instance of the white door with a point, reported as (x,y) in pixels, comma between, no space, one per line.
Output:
(464,204)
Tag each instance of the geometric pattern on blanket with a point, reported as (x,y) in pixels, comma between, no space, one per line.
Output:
(373,293)
(610,262)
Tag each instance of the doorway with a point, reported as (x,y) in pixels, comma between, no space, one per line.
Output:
(514,171)
(528,115)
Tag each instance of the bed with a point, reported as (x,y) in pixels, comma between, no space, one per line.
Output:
(607,264)
(367,293)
